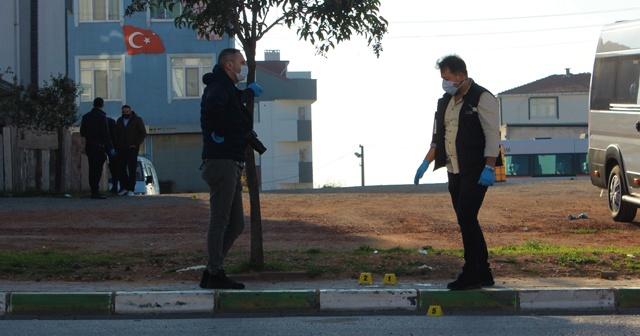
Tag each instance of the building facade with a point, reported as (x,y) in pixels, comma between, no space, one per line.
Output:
(145,62)
(553,107)
(282,119)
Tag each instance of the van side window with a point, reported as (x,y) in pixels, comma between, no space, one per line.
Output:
(615,81)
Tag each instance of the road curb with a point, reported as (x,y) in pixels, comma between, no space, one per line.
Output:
(308,301)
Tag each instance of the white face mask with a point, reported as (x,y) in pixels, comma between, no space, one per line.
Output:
(244,71)
(449,87)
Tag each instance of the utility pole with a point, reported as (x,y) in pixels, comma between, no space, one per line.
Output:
(361,156)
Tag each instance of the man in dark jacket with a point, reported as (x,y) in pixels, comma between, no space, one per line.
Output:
(466,138)
(95,130)
(227,128)
(130,133)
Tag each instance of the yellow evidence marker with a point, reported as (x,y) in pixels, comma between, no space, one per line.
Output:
(390,279)
(365,279)
(194,197)
(434,311)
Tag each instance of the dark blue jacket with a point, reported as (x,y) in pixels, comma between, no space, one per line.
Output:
(223,111)
(470,139)
(95,129)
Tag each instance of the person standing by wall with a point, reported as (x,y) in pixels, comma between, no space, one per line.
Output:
(227,129)
(130,133)
(466,138)
(95,130)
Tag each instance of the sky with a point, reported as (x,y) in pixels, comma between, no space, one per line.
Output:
(387,104)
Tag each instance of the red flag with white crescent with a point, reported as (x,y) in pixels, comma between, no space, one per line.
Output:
(142,41)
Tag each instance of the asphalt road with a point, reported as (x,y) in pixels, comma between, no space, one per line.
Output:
(335,325)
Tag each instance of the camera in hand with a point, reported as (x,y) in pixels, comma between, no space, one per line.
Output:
(252,137)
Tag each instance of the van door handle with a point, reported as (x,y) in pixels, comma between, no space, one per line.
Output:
(638,126)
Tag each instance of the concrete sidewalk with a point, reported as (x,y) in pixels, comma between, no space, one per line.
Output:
(280,296)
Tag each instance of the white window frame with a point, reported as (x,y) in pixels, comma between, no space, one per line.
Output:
(76,11)
(121,58)
(152,19)
(538,100)
(170,97)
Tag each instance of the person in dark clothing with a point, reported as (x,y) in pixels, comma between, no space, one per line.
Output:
(113,164)
(95,129)
(466,138)
(227,127)
(130,133)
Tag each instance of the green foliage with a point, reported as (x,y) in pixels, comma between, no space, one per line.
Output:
(45,108)
(323,23)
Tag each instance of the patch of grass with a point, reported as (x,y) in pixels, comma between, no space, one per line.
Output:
(314,251)
(611,231)
(581,231)
(49,262)
(577,258)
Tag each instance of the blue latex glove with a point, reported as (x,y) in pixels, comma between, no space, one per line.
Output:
(112,152)
(256,89)
(217,138)
(423,168)
(487,178)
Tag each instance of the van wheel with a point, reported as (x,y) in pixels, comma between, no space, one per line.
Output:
(620,211)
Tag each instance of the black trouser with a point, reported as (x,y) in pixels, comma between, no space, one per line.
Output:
(467,196)
(128,161)
(96,156)
(114,169)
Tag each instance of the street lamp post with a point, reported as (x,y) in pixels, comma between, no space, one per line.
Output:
(361,156)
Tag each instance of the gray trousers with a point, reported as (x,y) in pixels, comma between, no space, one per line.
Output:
(226,220)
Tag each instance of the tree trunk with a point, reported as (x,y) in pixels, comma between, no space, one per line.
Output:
(256,259)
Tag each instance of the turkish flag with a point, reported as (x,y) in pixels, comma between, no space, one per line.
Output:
(142,41)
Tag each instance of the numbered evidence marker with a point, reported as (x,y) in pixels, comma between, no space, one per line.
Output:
(434,311)
(390,279)
(365,279)
(194,197)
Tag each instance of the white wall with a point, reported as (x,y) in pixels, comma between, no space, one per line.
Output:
(277,130)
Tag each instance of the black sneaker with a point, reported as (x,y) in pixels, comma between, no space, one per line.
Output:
(98,196)
(486,279)
(220,281)
(464,282)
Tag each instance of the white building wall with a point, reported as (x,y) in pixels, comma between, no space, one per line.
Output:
(573,108)
(278,131)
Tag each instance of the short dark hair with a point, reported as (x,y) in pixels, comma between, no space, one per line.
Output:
(98,102)
(454,63)
(126,106)
(227,55)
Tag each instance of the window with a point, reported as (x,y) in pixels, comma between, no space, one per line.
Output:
(615,81)
(186,75)
(543,108)
(101,78)
(302,155)
(99,10)
(162,13)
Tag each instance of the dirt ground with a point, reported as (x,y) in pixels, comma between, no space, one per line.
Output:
(335,218)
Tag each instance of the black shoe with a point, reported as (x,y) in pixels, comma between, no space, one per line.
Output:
(113,191)
(220,281)
(98,196)
(486,279)
(205,279)
(464,282)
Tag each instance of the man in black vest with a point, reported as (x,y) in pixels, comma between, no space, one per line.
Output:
(466,138)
